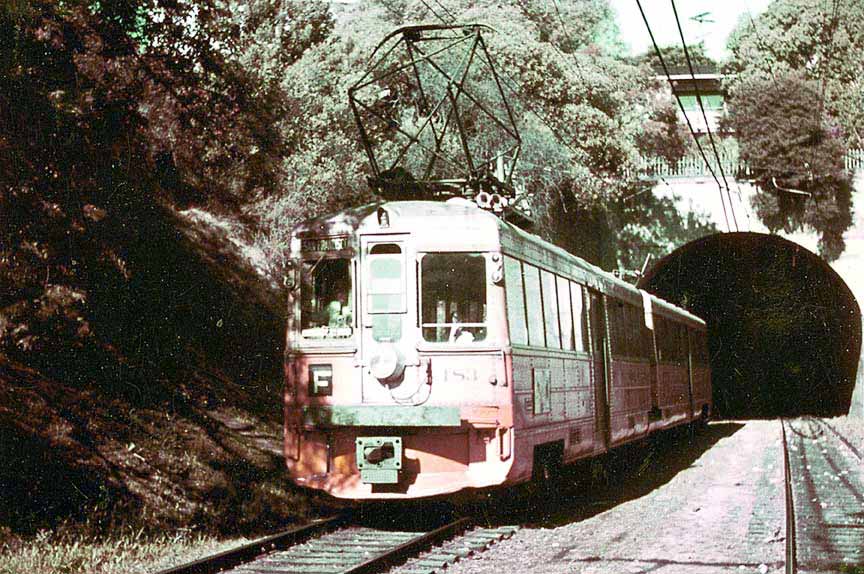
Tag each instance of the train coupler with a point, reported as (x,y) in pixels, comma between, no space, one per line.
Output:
(379,459)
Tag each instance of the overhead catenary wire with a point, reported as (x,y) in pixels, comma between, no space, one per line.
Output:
(821,107)
(683,112)
(446,11)
(437,15)
(514,87)
(704,115)
(570,40)
(760,43)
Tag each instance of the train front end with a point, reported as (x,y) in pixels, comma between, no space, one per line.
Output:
(397,380)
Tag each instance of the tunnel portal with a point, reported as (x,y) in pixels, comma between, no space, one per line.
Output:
(784,329)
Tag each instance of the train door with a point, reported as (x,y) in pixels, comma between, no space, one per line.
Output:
(655,414)
(690,365)
(600,364)
(387,341)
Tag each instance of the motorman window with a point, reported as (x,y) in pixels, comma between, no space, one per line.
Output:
(453,297)
(326,299)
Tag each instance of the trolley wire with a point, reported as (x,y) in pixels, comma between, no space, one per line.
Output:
(760,43)
(569,39)
(825,75)
(704,115)
(437,15)
(515,87)
(446,11)
(683,112)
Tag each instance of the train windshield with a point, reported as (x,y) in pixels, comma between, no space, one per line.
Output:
(326,299)
(453,297)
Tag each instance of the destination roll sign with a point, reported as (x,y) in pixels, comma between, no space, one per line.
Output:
(324,244)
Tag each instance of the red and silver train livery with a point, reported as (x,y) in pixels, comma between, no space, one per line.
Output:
(433,347)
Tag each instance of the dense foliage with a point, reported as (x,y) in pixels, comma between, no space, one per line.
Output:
(674,57)
(796,106)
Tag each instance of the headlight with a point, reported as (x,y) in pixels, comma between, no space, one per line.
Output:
(386,364)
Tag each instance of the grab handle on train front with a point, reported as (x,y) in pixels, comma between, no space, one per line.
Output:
(504,442)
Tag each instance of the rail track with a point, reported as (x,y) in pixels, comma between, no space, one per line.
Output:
(342,545)
(825,499)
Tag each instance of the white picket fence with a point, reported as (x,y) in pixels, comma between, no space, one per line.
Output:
(693,166)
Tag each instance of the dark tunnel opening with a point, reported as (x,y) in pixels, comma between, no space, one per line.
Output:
(784,329)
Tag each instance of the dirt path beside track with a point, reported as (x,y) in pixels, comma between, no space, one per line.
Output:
(722,513)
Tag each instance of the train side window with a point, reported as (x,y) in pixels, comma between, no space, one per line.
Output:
(662,332)
(453,297)
(550,310)
(671,341)
(700,347)
(646,337)
(636,331)
(580,318)
(534,304)
(629,336)
(617,328)
(566,313)
(515,301)
(683,344)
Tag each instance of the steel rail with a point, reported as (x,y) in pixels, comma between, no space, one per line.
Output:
(410,548)
(791,556)
(842,438)
(247,552)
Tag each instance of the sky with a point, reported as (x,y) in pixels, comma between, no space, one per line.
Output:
(724,13)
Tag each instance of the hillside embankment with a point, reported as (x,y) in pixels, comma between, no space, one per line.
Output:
(167,415)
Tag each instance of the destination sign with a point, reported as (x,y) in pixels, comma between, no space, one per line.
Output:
(324,244)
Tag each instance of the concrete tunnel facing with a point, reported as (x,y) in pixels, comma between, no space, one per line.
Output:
(784,328)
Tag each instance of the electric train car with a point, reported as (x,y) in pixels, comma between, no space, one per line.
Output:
(433,347)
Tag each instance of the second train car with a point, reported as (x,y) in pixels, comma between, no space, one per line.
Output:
(433,347)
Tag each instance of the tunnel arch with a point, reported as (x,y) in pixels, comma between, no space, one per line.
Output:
(784,328)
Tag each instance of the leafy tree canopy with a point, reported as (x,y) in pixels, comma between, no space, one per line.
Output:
(584,115)
(796,108)
(674,57)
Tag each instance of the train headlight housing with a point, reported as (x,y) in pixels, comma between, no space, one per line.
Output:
(383,218)
(386,364)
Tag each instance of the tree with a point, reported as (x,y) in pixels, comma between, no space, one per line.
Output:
(674,57)
(584,115)
(112,111)
(796,108)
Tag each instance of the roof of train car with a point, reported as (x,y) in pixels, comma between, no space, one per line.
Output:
(351,220)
